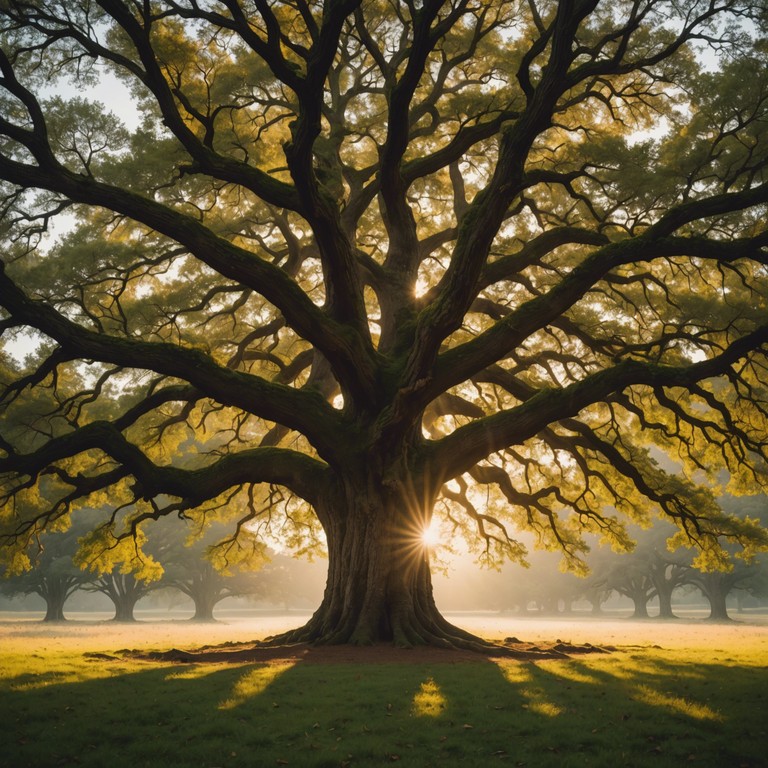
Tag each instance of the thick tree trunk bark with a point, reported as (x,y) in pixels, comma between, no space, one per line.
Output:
(124,592)
(665,577)
(55,592)
(718,610)
(204,614)
(54,611)
(124,609)
(205,601)
(665,602)
(641,606)
(379,585)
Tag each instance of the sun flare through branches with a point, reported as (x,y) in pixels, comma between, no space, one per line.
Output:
(430,535)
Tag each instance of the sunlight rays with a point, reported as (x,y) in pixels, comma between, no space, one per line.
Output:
(430,536)
(419,531)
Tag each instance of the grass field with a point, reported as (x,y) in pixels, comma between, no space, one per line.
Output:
(690,693)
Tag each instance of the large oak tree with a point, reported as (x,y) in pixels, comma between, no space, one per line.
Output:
(360,263)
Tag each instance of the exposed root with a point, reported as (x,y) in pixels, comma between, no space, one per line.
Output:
(438,650)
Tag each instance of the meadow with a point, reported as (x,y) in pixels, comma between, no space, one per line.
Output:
(685,693)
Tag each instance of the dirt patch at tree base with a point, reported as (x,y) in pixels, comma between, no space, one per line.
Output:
(379,653)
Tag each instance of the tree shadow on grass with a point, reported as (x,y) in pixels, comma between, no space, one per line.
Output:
(615,711)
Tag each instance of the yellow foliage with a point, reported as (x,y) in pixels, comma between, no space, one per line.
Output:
(14,562)
(101,551)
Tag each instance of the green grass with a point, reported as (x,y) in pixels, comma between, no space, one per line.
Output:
(637,707)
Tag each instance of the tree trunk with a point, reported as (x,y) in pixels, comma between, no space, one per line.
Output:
(55,591)
(203,608)
(379,585)
(640,601)
(665,600)
(124,592)
(124,606)
(718,610)
(205,590)
(665,577)
(54,611)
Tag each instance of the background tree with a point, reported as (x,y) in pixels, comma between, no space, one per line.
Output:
(204,576)
(361,263)
(756,587)
(665,570)
(124,584)
(631,577)
(123,589)
(49,572)
(546,588)
(716,584)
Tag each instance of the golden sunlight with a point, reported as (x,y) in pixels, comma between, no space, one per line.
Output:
(430,536)
(429,700)
(253,683)
(677,704)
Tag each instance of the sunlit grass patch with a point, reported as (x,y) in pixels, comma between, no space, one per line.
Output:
(25,671)
(515,673)
(28,682)
(676,704)
(253,683)
(429,700)
(191,672)
(574,672)
(540,706)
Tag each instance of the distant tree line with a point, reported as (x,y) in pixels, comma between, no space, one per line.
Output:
(651,571)
(642,576)
(55,574)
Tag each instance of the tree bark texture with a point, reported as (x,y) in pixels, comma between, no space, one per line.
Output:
(204,605)
(665,603)
(640,601)
(379,585)
(124,591)
(55,590)
(718,609)
(205,588)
